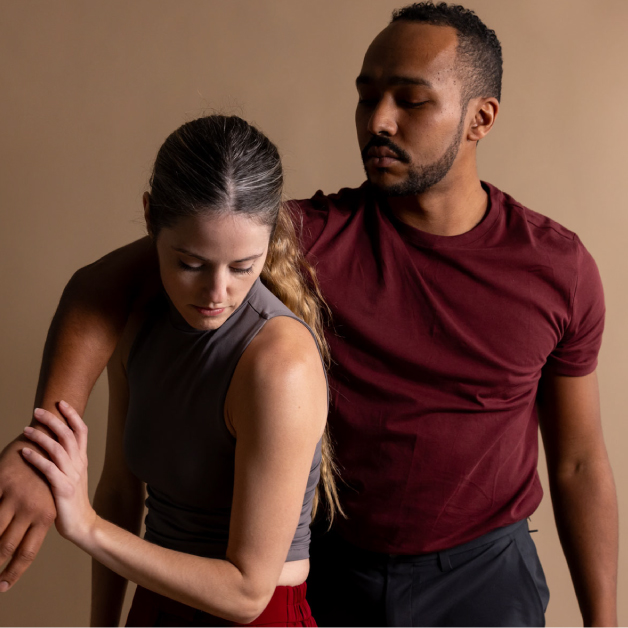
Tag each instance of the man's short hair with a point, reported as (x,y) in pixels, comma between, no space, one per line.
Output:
(479,51)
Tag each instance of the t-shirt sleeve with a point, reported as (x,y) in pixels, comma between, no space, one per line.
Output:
(310,217)
(577,351)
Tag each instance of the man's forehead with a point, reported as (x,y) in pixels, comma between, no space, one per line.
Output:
(411,49)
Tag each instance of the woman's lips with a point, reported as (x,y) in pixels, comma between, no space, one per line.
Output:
(207,311)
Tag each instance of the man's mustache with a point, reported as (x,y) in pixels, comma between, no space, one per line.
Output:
(379,140)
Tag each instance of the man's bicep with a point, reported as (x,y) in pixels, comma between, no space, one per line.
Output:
(89,322)
(577,350)
(569,416)
(110,285)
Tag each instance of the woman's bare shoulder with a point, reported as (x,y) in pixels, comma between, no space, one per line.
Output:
(283,344)
(279,374)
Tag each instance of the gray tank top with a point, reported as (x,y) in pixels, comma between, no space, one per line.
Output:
(176,439)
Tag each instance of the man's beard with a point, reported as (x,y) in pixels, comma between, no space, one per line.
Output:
(419,178)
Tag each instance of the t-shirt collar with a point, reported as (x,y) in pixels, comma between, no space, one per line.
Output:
(423,239)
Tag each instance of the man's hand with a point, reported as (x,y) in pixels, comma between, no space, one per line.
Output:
(27,510)
(83,334)
(583,491)
(65,469)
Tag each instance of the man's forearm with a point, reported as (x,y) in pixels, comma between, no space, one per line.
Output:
(585,507)
(83,334)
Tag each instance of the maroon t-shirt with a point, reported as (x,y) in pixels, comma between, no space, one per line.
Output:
(439,343)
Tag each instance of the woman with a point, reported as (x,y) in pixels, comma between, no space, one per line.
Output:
(218,398)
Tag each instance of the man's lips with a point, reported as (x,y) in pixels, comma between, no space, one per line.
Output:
(381,157)
(381,152)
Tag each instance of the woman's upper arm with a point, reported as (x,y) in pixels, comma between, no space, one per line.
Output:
(277,405)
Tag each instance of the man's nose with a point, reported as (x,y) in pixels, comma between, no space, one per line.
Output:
(383,120)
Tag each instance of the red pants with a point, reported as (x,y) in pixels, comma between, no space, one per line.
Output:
(287,607)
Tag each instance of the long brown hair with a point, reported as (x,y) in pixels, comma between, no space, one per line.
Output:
(291,278)
(222,164)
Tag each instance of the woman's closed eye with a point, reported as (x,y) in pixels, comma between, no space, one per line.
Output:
(185,266)
(237,271)
(243,271)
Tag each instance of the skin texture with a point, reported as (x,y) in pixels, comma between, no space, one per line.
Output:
(409,92)
(423,122)
(210,264)
(583,491)
(581,481)
(276,407)
(82,336)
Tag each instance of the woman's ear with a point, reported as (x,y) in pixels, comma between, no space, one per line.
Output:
(146,202)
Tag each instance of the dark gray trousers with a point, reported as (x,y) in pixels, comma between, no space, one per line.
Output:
(494,580)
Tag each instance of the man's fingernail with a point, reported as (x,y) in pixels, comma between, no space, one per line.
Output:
(26,451)
(64,404)
(4,586)
(28,429)
(38,412)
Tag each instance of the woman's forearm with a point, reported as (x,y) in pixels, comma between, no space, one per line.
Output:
(212,585)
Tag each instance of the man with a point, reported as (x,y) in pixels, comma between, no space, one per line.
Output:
(456,313)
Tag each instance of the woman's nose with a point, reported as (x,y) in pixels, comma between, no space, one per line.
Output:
(216,289)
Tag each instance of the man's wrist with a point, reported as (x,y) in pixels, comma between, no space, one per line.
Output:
(16,446)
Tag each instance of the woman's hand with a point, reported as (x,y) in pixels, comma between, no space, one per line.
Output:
(66,470)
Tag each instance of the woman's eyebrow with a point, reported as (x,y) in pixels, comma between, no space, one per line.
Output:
(248,259)
(180,249)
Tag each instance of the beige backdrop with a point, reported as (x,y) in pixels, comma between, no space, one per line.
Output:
(89,90)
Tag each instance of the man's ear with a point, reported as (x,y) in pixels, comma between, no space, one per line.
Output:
(146,202)
(485,112)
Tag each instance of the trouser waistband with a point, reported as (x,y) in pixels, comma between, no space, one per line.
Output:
(442,556)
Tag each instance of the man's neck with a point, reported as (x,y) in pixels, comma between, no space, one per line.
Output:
(445,210)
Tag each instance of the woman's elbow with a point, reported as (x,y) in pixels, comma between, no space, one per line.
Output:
(248,606)
(247,614)
(253,607)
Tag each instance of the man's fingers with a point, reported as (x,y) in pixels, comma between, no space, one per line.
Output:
(7,511)
(11,539)
(23,556)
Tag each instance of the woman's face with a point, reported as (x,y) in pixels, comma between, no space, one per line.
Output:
(209,264)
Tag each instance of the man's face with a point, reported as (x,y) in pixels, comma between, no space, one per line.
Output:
(409,118)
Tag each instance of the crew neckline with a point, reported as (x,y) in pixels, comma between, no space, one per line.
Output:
(429,240)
